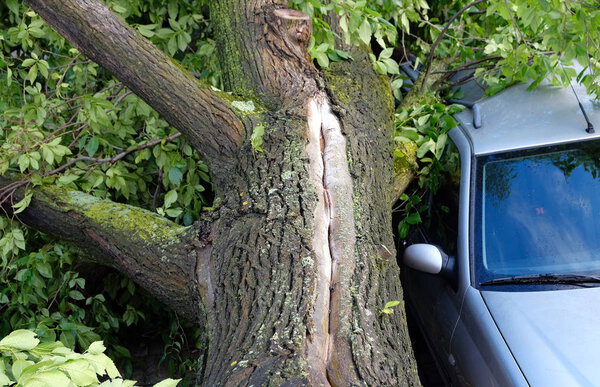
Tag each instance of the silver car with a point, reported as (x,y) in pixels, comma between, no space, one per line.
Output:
(505,280)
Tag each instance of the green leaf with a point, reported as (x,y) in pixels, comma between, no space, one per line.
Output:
(4,380)
(173,213)
(23,162)
(67,179)
(173,9)
(76,295)
(168,383)
(175,175)
(96,348)
(13,5)
(44,269)
(118,383)
(322,59)
(28,62)
(18,366)
(147,30)
(391,66)
(386,53)
(68,339)
(81,372)
(170,198)
(33,72)
(256,139)
(413,218)
(92,146)
(23,203)
(364,32)
(47,378)
(20,339)
(427,146)
(391,304)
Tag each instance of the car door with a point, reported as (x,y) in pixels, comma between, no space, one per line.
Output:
(435,299)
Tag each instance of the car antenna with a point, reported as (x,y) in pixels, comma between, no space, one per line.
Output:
(590,126)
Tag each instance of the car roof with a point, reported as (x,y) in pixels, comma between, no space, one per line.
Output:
(517,118)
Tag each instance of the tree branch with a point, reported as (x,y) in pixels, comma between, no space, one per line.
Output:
(155,252)
(441,36)
(263,48)
(201,114)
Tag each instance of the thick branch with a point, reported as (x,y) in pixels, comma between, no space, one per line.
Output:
(156,253)
(205,118)
(263,48)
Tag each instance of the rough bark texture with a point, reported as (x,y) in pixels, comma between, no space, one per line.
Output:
(154,252)
(300,260)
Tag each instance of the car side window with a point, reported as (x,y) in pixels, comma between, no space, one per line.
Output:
(441,227)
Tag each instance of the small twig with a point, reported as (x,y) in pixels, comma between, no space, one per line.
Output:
(157,190)
(442,34)
(469,65)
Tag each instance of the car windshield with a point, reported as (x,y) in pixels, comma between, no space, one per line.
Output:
(538,211)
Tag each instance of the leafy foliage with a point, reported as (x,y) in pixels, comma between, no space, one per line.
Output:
(65,121)
(25,360)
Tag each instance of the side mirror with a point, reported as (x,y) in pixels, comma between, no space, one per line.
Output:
(429,259)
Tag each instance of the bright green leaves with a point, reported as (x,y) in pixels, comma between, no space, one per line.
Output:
(11,242)
(24,361)
(365,31)
(26,33)
(19,340)
(36,65)
(425,125)
(22,204)
(256,139)
(320,53)
(385,64)
(411,208)
(388,307)
(170,198)
(362,22)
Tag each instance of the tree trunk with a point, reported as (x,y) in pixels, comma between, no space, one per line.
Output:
(299,261)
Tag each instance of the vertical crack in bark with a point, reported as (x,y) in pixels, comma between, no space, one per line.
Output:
(333,243)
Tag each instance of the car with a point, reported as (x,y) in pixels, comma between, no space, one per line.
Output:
(505,280)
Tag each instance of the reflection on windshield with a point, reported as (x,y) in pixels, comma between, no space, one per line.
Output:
(540,213)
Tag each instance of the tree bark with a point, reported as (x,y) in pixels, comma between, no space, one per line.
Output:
(299,260)
(156,253)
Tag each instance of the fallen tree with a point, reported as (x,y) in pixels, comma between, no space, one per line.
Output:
(288,272)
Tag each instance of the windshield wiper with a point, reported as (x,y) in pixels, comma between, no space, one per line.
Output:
(575,279)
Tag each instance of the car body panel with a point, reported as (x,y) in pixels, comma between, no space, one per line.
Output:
(548,115)
(554,335)
(465,150)
(484,337)
(481,354)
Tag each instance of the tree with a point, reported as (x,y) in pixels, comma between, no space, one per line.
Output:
(288,272)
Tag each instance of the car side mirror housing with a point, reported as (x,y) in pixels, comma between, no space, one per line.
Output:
(429,259)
